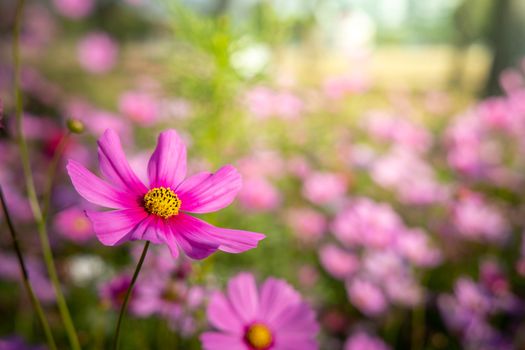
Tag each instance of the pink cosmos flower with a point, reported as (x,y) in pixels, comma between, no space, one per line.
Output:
(97,53)
(363,341)
(259,194)
(337,262)
(324,187)
(157,212)
(74,9)
(140,107)
(73,224)
(307,225)
(273,318)
(113,292)
(476,219)
(366,296)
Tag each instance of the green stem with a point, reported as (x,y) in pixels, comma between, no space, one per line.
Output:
(25,276)
(418,327)
(51,171)
(124,307)
(31,191)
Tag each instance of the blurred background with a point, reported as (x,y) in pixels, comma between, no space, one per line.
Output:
(381,144)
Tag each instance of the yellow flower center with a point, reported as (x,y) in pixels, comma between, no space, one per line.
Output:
(162,201)
(259,336)
(81,224)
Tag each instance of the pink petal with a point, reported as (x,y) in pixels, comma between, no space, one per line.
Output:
(221,341)
(167,165)
(207,192)
(114,165)
(276,296)
(242,292)
(96,190)
(201,238)
(116,226)
(295,342)
(297,319)
(222,316)
(192,243)
(149,230)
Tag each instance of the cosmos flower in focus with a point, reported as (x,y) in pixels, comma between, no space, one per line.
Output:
(157,212)
(274,317)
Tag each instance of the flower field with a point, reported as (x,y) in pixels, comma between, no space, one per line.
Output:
(233,178)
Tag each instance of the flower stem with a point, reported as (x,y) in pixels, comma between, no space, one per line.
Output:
(124,306)
(25,276)
(51,171)
(30,187)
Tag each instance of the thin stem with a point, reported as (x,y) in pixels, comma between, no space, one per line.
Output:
(124,307)
(418,327)
(30,187)
(51,171)
(25,276)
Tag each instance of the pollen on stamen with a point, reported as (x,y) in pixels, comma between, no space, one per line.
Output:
(162,201)
(258,336)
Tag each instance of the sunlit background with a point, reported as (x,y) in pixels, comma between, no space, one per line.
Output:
(381,145)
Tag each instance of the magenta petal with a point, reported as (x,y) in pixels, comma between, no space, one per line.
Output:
(294,342)
(116,226)
(192,239)
(221,341)
(188,229)
(114,165)
(242,291)
(167,165)
(207,192)
(276,296)
(96,190)
(222,316)
(149,230)
(297,319)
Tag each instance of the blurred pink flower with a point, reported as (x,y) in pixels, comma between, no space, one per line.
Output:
(97,52)
(337,262)
(324,187)
(265,163)
(259,101)
(74,9)
(403,291)
(366,296)
(288,105)
(496,113)
(308,276)
(263,103)
(477,220)
(259,194)
(39,28)
(172,299)
(364,341)
(157,213)
(73,224)
(511,79)
(416,247)
(307,225)
(10,270)
(113,292)
(340,86)
(140,107)
(412,179)
(364,222)
(383,126)
(275,317)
